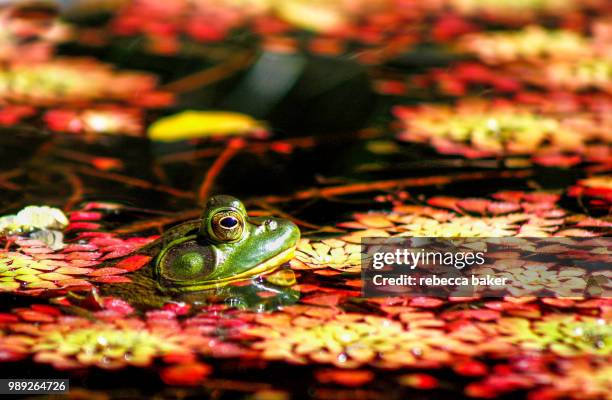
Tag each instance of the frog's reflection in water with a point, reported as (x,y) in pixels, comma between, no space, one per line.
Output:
(266,293)
(263,293)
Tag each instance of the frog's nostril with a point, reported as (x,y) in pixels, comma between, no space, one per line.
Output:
(271,224)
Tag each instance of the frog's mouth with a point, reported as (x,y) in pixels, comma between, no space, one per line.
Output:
(264,268)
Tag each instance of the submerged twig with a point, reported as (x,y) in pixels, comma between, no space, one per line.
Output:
(390,184)
(233,147)
(158,222)
(134,182)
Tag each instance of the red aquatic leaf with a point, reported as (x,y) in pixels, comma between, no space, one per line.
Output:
(352,378)
(107,271)
(557,160)
(160,315)
(322,300)
(142,240)
(547,394)
(177,308)
(225,350)
(474,205)
(181,358)
(185,374)
(576,233)
(5,317)
(118,305)
(450,26)
(106,241)
(593,222)
(82,226)
(390,87)
(86,256)
(539,197)
(480,390)
(133,263)
(85,216)
(79,248)
(45,309)
(73,270)
(86,235)
(426,302)
(36,250)
(470,368)
(444,202)
(9,355)
(481,314)
(308,288)
(12,114)
(106,163)
(327,272)
(509,196)
(561,303)
(419,381)
(49,256)
(282,147)
(84,263)
(112,279)
(75,282)
(117,251)
(34,316)
(502,207)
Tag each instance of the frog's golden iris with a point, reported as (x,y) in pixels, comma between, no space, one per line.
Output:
(226,226)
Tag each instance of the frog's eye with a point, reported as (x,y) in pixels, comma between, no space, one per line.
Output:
(227,226)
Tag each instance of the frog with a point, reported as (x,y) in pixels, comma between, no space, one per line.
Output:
(224,246)
(223,255)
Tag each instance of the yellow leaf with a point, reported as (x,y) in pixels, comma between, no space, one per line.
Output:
(318,16)
(195,124)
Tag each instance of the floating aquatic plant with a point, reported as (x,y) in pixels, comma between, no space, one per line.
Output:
(32,218)
(582,74)
(14,114)
(530,44)
(353,340)
(507,214)
(565,335)
(514,11)
(116,339)
(333,26)
(26,38)
(418,339)
(62,81)
(480,129)
(528,278)
(338,254)
(32,266)
(516,345)
(112,120)
(547,376)
(319,330)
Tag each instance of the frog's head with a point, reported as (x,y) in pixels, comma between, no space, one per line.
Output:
(228,246)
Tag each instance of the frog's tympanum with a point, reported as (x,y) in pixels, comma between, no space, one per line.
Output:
(224,246)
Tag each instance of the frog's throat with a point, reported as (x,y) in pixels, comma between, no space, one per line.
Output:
(266,267)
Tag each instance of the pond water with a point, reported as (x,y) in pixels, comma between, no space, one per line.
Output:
(428,141)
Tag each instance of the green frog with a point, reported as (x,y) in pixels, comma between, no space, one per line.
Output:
(196,262)
(222,247)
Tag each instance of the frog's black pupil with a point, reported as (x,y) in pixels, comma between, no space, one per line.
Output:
(228,222)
